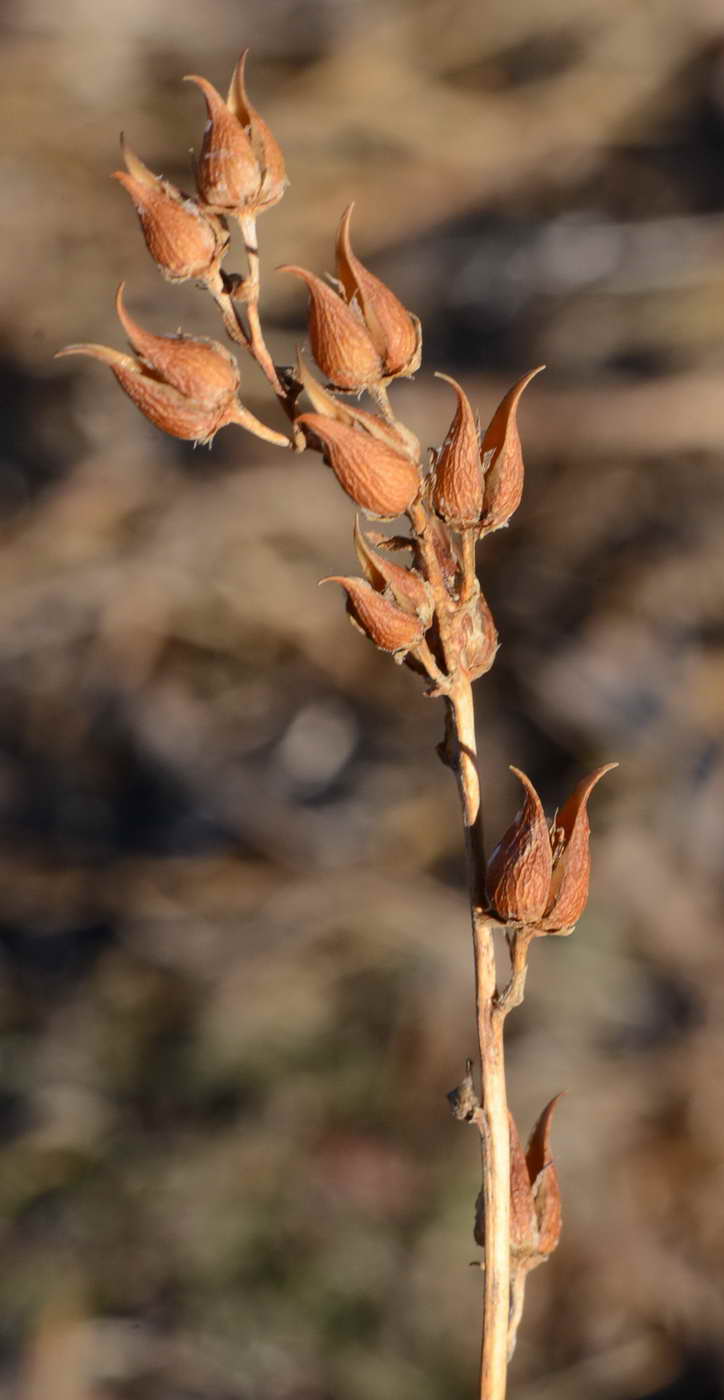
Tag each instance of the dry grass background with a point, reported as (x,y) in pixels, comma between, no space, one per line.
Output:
(235,959)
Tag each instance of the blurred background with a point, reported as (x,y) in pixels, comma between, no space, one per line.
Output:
(236,972)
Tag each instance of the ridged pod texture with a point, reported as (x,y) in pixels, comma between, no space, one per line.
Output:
(457,491)
(409,591)
(340,343)
(228,174)
(394,333)
(502,458)
(572,869)
(182,240)
(202,370)
(519,870)
(378,479)
(385,624)
(544,1180)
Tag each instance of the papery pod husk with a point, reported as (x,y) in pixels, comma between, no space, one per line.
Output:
(543,1177)
(266,148)
(523,1217)
(340,343)
(163,405)
(519,870)
(379,480)
(572,858)
(183,240)
(391,629)
(228,175)
(457,491)
(330,407)
(409,591)
(394,331)
(502,459)
(476,637)
(442,543)
(202,370)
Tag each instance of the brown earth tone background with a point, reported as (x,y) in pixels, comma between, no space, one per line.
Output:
(236,972)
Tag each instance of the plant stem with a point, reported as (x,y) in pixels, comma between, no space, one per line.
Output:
(493,1116)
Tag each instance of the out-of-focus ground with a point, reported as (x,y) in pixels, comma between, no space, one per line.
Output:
(236,973)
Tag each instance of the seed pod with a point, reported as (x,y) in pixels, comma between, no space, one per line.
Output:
(186,387)
(523,1217)
(202,370)
(544,1181)
(183,240)
(330,407)
(457,491)
(502,459)
(571,858)
(385,624)
(377,478)
(476,637)
(409,591)
(394,331)
(267,150)
(340,343)
(519,870)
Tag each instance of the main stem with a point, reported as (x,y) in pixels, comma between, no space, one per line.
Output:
(493,1116)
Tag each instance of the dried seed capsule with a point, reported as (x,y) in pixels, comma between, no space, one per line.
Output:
(383,622)
(502,459)
(340,343)
(571,858)
(476,637)
(409,591)
(523,1217)
(457,491)
(187,387)
(519,870)
(241,167)
(394,331)
(544,1182)
(377,478)
(183,240)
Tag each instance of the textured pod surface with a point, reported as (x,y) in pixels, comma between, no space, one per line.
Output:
(523,1217)
(266,148)
(202,370)
(182,240)
(394,332)
(544,1181)
(476,637)
(519,870)
(378,479)
(457,491)
(228,174)
(340,344)
(572,854)
(502,458)
(383,622)
(405,585)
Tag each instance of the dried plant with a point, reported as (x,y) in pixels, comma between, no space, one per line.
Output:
(428,613)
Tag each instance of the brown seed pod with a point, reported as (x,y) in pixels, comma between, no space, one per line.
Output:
(544,1182)
(571,858)
(183,240)
(519,870)
(340,343)
(394,331)
(408,590)
(385,624)
(457,491)
(377,478)
(502,459)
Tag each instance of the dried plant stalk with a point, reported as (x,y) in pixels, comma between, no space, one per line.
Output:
(428,613)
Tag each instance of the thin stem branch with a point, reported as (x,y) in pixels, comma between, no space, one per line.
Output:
(493,1118)
(518,1280)
(468,538)
(257,343)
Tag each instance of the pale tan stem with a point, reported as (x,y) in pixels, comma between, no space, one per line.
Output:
(493,1118)
(517,1302)
(514,993)
(423,653)
(257,343)
(225,303)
